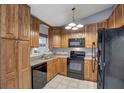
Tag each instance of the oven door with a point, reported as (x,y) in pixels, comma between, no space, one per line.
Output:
(75,68)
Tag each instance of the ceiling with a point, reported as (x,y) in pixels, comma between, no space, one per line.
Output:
(61,14)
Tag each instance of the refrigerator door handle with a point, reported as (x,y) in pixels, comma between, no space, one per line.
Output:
(93,57)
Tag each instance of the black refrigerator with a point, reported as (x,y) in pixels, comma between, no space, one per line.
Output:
(110,59)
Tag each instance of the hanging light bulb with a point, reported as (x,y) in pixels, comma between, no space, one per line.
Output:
(74,28)
(67,27)
(72,24)
(79,26)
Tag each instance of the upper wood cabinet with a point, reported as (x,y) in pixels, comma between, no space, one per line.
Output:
(24,68)
(15,21)
(123,14)
(90,35)
(111,20)
(103,24)
(57,37)
(50,37)
(24,22)
(54,37)
(8,64)
(64,38)
(118,16)
(34,33)
(9,21)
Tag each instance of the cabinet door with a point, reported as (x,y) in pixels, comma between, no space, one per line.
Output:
(50,71)
(24,22)
(86,70)
(111,21)
(90,35)
(88,73)
(63,66)
(50,37)
(118,16)
(24,68)
(56,37)
(56,68)
(64,39)
(34,34)
(122,13)
(8,64)
(9,21)
(103,24)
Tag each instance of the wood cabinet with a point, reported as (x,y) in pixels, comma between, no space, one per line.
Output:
(88,73)
(15,66)
(49,70)
(55,37)
(9,21)
(50,37)
(118,16)
(24,22)
(111,20)
(103,24)
(122,14)
(58,37)
(62,66)
(52,69)
(34,32)
(24,68)
(8,64)
(64,38)
(14,46)
(90,35)
(56,66)
(15,21)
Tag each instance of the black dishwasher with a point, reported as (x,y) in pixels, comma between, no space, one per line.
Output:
(39,76)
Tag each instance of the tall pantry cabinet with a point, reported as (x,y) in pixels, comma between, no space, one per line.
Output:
(15,71)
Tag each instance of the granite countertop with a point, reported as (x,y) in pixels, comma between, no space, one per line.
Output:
(37,59)
(88,57)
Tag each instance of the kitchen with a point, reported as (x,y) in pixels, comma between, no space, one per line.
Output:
(37,55)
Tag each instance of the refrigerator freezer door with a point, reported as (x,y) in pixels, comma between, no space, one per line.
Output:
(114,59)
(101,59)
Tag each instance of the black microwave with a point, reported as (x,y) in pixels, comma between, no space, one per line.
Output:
(76,42)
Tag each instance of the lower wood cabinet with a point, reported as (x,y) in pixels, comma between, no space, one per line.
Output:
(24,69)
(88,73)
(62,66)
(52,69)
(59,66)
(56,66)
(8,64)
(14,64)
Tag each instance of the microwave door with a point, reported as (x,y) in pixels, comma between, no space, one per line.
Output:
(76,42)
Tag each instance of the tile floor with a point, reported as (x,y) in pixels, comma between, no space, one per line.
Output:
(62,82)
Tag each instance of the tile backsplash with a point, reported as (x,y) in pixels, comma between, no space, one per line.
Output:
(88,51)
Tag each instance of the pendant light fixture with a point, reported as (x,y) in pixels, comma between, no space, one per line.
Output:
(73,25)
